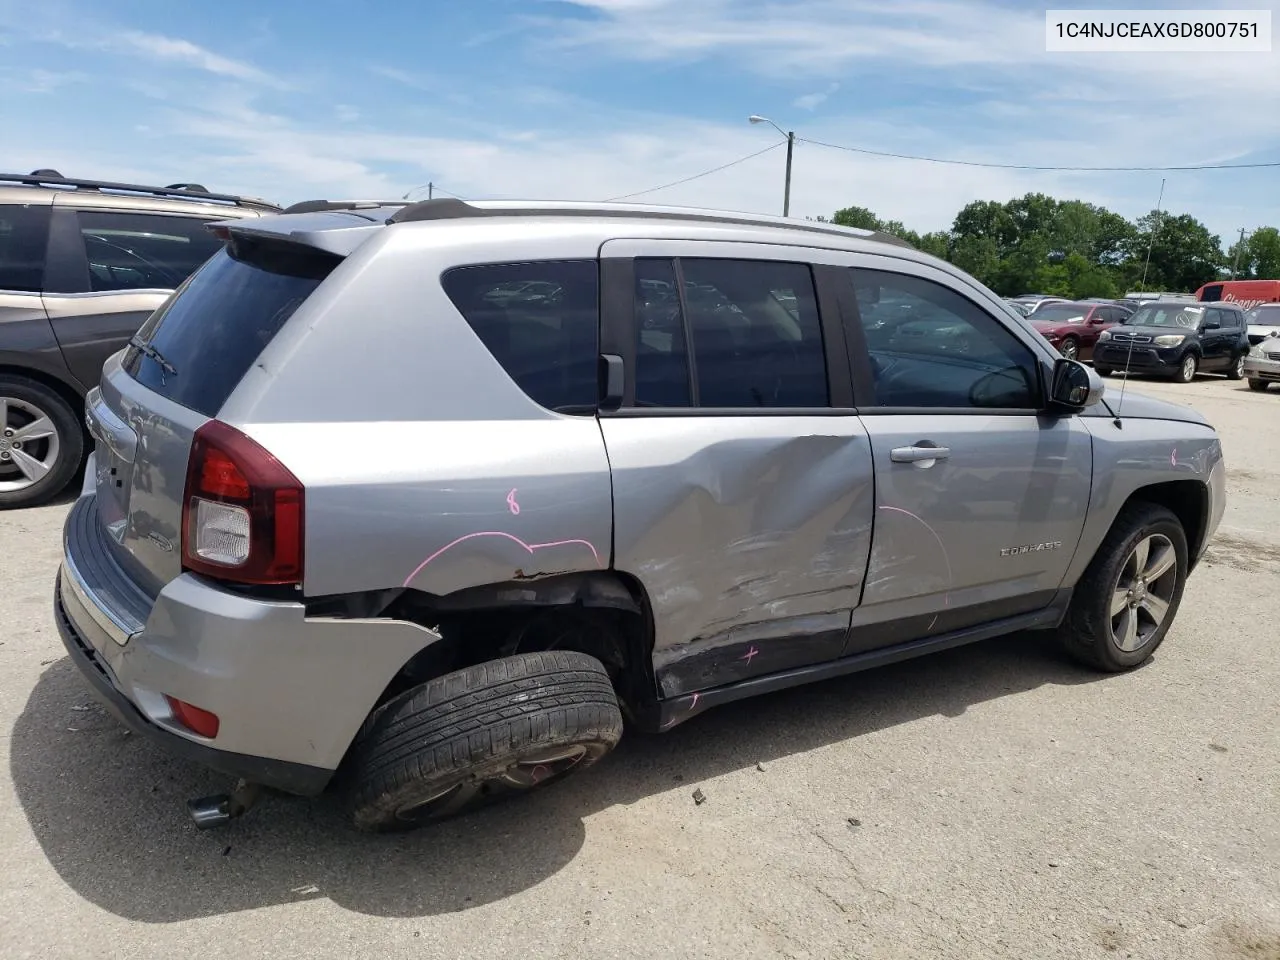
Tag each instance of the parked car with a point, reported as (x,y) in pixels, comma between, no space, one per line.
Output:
(1022,309)
(1263,322)
(1072,328)
(1176,339)
(611,503)
(82,264)
(1262,366)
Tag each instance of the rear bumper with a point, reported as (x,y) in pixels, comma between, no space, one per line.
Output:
(290,691)
(279,774)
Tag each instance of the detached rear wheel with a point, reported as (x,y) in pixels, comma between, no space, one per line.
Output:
(481,735)
(41,443)
(1125,603)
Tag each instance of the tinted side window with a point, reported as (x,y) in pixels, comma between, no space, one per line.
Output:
(23,233)
(540,321)
(757,340)
(143,251)
(212,330)
(662,362)
(931,347)
(1212,293)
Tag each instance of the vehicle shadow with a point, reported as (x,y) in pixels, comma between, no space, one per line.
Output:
(108,808)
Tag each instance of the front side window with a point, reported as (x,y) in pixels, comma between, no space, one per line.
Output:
(932,347)
(143,251)
(540,320)
(754,330)
(24,230)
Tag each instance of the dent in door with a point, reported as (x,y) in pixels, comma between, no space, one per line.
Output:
(750,535)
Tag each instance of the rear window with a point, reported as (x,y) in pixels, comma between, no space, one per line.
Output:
(217,324)
(540,321)
(1211,294)
(143,251)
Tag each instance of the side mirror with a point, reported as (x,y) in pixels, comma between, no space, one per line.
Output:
(1211,325)
(1075,387)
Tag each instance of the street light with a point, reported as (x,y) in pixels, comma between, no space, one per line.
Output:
(791,143)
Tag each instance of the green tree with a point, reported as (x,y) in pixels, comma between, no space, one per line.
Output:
(859,217)
(1184,254)
(1258,257)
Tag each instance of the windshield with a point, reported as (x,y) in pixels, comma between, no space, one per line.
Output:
(1167,315)
(1061,313)
(1261,316)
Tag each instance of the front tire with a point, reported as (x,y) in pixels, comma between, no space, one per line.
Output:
(1102,371)
(1187,369)
(41,442)
(1123,606)
(480,735)
(1070,348)
(1259,385)
(1236,371)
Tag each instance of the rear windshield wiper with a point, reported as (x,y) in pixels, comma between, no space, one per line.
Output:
(151,353)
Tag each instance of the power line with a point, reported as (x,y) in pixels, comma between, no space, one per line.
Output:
(1032,166)
(696,176)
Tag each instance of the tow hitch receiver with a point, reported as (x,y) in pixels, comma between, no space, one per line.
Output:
(221,808)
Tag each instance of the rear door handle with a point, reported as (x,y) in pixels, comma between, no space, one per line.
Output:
(919,453)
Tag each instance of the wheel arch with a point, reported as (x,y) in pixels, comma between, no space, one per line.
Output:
(1188,500)
(521,616)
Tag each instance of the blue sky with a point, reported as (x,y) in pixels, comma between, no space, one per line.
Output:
(593,99)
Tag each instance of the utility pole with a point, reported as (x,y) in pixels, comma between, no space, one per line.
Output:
(431,191)
(1236,262)
(786,190)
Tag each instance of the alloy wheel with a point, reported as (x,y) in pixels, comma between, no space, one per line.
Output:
(29,444)
(1069,349)
(1143,592)
(527,773)
(1188,368)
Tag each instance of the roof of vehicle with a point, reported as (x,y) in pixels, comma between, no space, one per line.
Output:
(340,226)
(1193,304)
(46,187)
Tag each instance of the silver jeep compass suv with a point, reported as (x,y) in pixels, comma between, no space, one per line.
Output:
(432,496)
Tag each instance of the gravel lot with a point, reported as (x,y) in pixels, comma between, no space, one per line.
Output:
(993,801)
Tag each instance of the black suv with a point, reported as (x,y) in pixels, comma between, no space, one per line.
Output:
(82,265)
(1175,338)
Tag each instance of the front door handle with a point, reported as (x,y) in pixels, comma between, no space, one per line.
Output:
(923,453)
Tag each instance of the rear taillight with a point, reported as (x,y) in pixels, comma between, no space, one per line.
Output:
(241,511)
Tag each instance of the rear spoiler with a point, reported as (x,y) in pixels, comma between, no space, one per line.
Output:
(338,231)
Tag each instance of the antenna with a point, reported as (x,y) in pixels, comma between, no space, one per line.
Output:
(1142,286)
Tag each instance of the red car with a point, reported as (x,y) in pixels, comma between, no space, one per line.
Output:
(1073,327)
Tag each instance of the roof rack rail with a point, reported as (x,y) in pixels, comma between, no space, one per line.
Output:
(448,208)
(185,191)
(315,206)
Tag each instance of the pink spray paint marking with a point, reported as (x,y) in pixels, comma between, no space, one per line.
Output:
(750,654)
(531,548)
(946,600)
(693,705)
(511,503)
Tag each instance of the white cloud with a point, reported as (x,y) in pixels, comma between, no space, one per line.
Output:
(345,113)
(811,101)
(160,48)
(176,50)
